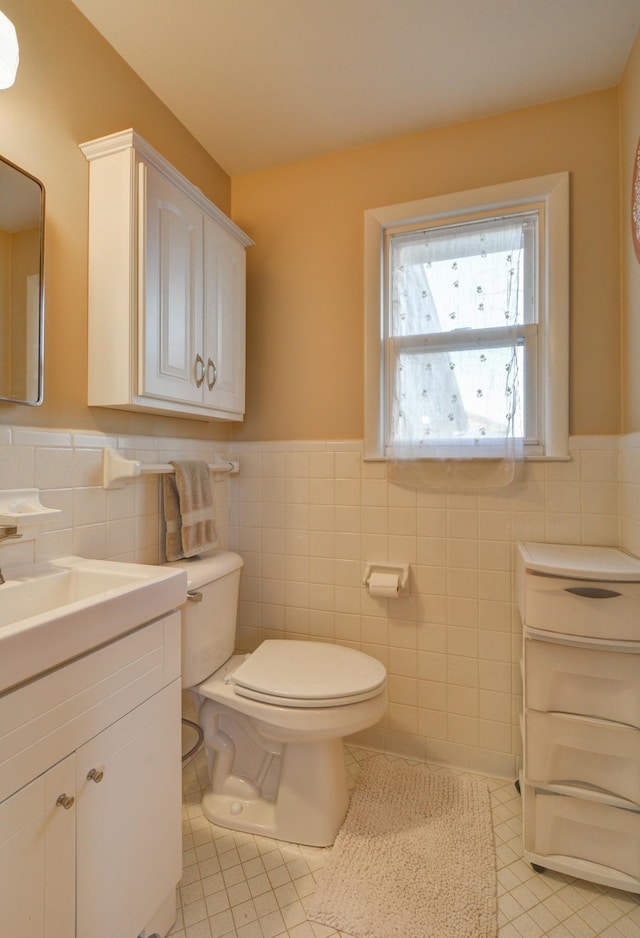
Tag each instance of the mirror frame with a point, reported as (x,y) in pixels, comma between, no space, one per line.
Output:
(39,363)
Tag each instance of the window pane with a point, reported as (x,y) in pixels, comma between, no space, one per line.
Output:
(465,394)
(468,276)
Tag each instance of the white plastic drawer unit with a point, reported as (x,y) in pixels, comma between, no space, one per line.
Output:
(578,752)
(592,592)
(586,830)
(580,609)
(567,678)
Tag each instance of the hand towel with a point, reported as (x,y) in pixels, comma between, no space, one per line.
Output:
(188,510)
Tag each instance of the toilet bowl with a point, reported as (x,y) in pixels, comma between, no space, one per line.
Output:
(274,720)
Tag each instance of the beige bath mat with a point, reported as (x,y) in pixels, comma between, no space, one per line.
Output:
(414,858)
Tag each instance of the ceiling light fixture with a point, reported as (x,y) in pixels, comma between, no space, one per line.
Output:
(9,52)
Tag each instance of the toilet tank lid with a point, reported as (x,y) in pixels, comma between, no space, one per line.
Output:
(208,567)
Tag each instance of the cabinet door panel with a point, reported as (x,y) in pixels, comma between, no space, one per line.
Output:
(37,858)
(129,822)
(170,299)
(224,306)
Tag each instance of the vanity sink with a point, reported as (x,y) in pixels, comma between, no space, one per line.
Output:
(54,611)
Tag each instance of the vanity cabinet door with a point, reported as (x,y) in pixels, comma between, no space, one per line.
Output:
(128,819)
(171,325)
(37,857)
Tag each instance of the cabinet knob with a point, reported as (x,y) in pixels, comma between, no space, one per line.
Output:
(65,801)
(211,370)
(194,596)
(199,362)
(95,775)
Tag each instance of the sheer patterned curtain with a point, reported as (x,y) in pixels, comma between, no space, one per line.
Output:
(459,308)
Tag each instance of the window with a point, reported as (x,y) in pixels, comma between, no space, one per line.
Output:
(467,323)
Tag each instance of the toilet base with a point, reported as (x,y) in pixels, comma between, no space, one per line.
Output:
(291,791)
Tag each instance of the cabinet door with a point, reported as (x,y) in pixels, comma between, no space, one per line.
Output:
(224,305)
(129,819)
(37,857)
(171,350)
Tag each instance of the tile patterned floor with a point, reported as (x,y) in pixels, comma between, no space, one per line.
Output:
(236,884)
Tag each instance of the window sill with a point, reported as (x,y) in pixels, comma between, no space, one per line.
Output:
(533,457)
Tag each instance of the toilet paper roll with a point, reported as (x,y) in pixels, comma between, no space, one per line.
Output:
(385,585)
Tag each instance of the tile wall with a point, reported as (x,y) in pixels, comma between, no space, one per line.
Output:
(306,517)
(119,524)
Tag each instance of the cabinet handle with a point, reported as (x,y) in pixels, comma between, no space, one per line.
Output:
(211,381)
(95,775)
(592,592)
(194,596)
(199,361)
(65,801)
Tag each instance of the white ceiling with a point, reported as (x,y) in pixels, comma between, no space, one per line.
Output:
(265,82)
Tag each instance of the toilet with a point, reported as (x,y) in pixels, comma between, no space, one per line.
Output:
(274,720)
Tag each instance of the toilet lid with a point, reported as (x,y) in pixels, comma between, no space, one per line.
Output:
(308,674)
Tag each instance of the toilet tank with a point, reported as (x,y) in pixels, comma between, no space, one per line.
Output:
(210,613)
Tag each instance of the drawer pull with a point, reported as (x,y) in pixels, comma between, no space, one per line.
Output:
(65,801)
(194,596)
(592,592)
(95,775)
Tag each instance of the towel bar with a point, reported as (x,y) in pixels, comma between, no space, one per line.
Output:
(116,469)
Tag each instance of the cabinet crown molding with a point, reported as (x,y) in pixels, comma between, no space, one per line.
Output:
(130,140)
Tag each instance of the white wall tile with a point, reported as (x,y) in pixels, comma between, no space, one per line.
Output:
(28,436)
(87,467)
(89,505)
(17,467)
(53,467)
(307,516)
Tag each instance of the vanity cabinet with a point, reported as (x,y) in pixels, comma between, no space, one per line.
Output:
(580,782)
(90,793)
(167,274)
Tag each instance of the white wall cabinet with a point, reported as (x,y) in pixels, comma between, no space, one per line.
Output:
(167,275)
(91,839)
(580,782)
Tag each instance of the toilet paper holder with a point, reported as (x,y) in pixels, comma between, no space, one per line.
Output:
(401,570)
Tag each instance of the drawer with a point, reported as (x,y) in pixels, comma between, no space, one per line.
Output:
(594,683)
(570,750)
(43,721)
(585,830)
(588,608)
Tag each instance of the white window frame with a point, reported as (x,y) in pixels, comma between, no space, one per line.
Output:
(552,193)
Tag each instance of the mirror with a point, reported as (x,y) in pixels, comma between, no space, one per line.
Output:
(21,285)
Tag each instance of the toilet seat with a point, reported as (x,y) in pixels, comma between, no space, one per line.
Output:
(308,674)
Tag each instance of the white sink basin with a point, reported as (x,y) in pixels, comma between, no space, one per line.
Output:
(55,611)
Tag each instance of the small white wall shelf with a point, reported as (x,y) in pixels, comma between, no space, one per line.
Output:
(22,509)
(117,469)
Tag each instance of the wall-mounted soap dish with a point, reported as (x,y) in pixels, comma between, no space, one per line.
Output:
(23,510)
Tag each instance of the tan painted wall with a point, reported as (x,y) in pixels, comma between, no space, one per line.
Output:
(305,274)
(305,333)
(629,135)
(72,87)
(5,307)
